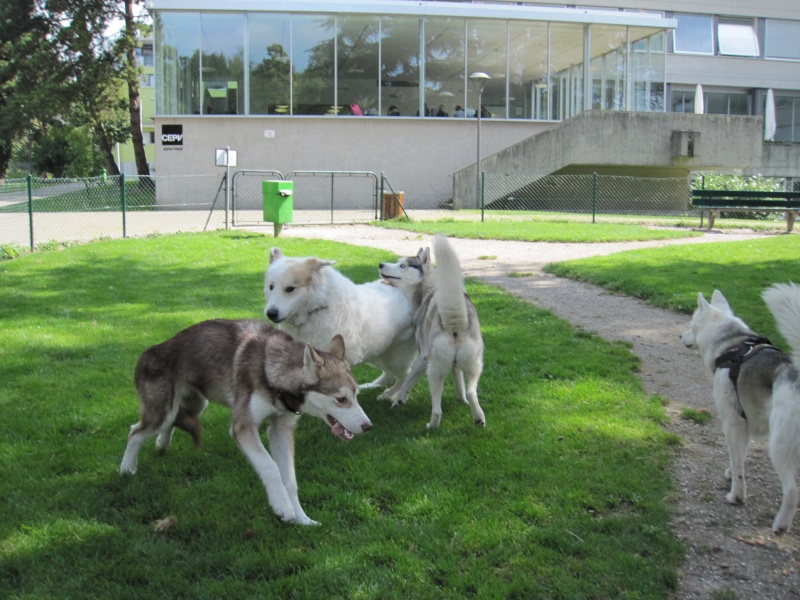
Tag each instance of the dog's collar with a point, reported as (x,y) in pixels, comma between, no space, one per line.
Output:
(291,402)
(318,309)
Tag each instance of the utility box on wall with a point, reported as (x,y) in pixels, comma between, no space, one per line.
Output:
(278,204)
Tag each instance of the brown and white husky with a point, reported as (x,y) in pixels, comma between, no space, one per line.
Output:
(259,373)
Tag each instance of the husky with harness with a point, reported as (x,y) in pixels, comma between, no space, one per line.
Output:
(756,387)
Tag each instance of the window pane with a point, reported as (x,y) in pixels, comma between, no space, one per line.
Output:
(444,66)
(782,39)
(727,104)
(716,104)
(312,64)
(739,104)
(400,65)
(609,64)
(566,47)
(486,52)
(269,36)
(787,118)
(528,75)
(357,73)
(178,63)
(222,69)
(682,101)
(737,40)
(647,71)
(694,34)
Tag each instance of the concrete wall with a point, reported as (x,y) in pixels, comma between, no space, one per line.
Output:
(778,160)
(641,144)
(418,156)
(732,72)
(636,139)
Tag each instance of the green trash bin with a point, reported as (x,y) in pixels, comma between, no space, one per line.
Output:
(278,204)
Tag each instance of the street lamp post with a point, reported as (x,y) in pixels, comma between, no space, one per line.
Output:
(478,80)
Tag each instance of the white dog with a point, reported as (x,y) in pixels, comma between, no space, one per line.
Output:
(313,302)
(756,387)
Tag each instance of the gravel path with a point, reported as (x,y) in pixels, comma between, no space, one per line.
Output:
(729,548)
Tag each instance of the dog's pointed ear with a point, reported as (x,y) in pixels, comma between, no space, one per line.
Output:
(315,264)
(274,254)
(702,303)
(718,300)
(312,361)
(424,256)
(337,346)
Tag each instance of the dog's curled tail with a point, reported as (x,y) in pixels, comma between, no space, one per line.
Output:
(449,287)
(783,301)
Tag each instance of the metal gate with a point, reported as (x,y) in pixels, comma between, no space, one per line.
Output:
(320,197)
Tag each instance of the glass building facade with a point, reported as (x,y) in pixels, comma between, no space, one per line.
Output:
(345,64)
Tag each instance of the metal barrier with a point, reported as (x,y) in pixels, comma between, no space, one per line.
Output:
(246,196)
(319,196)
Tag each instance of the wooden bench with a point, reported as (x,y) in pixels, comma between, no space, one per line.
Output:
(716,201)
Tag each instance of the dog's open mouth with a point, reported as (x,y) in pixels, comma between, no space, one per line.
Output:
(384,276)
(339,430)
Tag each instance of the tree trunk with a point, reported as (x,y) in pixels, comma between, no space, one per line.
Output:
(105,148)
(134,101)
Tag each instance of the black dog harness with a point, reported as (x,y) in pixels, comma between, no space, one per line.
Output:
(733,358)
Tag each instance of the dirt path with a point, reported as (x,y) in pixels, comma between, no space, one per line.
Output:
(729,548)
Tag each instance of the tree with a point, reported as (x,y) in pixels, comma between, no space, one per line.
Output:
(56,66)
(130,74)
(31,80)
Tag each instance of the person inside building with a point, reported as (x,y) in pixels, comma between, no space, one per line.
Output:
(393,111)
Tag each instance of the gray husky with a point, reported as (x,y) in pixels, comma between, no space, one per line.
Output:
(756,387)
(259,373)
(446,328)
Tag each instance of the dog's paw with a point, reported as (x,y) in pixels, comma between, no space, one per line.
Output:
(284,510)
(436,420)
(733,498)
(780,527)
(305,520)
(127,469)
(398,401)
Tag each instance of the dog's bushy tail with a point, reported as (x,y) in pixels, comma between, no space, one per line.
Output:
(449,287)
(783,301)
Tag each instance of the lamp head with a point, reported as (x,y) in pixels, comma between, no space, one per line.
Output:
(479,79)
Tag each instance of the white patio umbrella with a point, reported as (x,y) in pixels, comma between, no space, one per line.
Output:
(769,117)
(698,100)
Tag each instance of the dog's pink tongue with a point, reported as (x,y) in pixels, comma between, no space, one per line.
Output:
(341,432)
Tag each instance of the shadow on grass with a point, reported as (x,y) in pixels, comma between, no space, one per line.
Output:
(565,484)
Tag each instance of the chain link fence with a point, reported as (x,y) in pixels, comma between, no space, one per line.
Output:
(39,210)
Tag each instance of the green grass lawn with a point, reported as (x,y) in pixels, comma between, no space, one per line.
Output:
(540,230)
(562,495)
(671,277)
